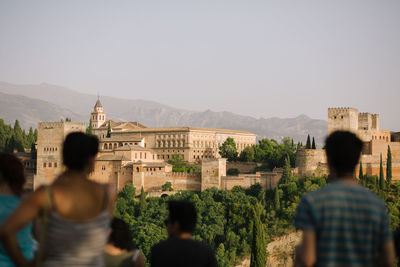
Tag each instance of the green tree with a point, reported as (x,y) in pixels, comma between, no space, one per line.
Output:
(258,246)
(308,144)
(142,202)
(125,204)
(228,149)
(30,138)
(68,119)
(277,203)
(109,130)
(360,173)
(381,177)
(220,255)
(313,146)
(287,172)
(167,187)
(89,129)
(17,141)
(389,166)
(35,134)
(247,154)
(232,171)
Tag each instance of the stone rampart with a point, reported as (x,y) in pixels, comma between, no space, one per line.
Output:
(268,180)
(243,167)
(309,161)
(153,181)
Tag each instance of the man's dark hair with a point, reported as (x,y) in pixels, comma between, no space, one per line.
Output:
(78,148)
(12,172)
(121,235)
(343,150)
(183,212)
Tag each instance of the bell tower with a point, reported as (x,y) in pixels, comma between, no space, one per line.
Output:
(98,116)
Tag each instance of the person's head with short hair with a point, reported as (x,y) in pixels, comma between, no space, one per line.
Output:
(79,151)
(343,150)
(12,173)
(121,235)
(182,218)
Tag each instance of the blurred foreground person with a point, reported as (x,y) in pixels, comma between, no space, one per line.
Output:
(12,179)
(120,251)
(180,249)
(77,211)
(343,223)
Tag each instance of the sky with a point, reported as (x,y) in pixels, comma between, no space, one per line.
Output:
(257,58)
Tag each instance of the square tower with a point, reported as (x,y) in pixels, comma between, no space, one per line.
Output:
(342,119)
(51,136)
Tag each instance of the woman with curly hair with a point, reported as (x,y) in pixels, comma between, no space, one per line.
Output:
(12,180)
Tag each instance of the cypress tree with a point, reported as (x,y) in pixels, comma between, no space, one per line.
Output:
(35,134)
(18,138)
(258,245)
(313,144)
(142,202)
(277,203)
(308,144)
(89,129)
(360,173)
(389,166)
(109,130)
(31,138)
(381,177)
(287,171)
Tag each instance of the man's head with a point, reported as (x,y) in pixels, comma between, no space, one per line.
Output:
(343,150)
(182,218)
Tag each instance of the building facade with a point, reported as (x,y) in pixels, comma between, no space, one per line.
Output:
(193,144)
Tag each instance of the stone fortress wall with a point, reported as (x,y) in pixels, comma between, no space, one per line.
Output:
(367,127)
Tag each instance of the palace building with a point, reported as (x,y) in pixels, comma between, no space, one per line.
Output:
(193,144)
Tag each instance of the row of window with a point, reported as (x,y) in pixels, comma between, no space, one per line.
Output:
(385,138)
(99,117)
(115,145)
(50,149)
(170,136)
(49,164)
(164,143)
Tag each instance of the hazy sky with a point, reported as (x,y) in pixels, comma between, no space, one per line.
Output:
(259,58)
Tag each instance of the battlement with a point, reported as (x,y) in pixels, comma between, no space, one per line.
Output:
(60,124)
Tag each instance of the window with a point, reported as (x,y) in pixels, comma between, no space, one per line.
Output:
(103,167)
(44,165)
(49,164)
(55,164)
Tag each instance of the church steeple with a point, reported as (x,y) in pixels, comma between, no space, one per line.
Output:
(98,116)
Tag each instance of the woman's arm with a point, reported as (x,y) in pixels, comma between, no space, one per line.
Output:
(23,214)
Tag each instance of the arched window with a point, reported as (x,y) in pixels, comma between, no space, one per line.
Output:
(105,146)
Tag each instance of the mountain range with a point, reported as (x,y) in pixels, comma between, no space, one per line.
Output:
(46,102)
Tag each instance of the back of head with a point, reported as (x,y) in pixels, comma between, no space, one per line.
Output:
(343,150)
(183,212)
(78,148)
(121,235)
(12,173)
